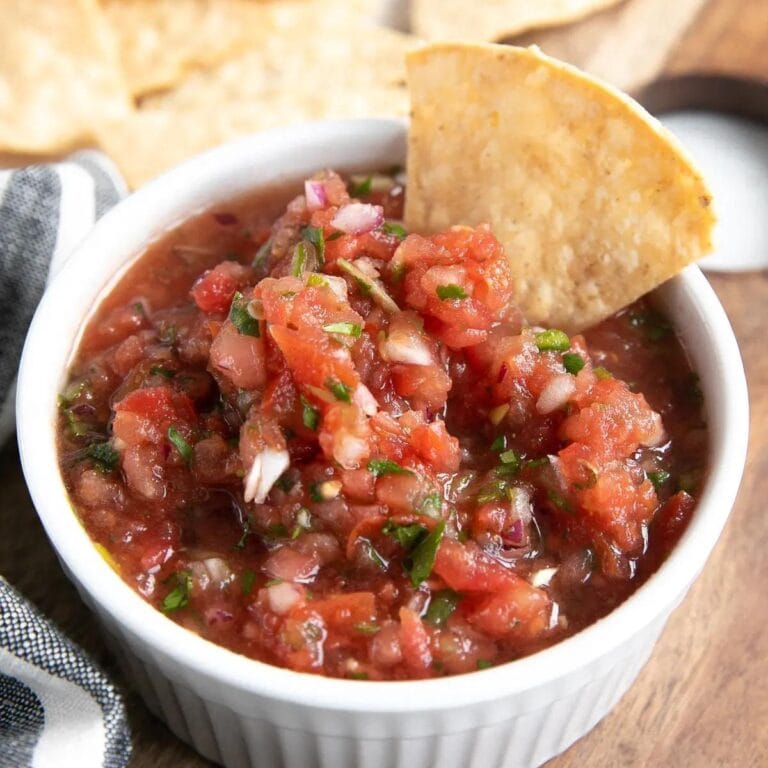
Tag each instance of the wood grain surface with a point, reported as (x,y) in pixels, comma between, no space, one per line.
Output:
(701,701)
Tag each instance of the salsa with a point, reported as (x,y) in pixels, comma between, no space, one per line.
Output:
(337,447)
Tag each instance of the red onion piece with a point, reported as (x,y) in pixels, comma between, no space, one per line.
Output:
(225,219)
(314,192)
(358,218)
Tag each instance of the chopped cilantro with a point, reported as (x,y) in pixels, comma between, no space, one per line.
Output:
(178,597)
(573,362)
(658,478)
(494,491)
(552,340)
(76,426)
(339,390)
(277,531)
(379,467)
(159,370)
(315,280)
(315,236)
(309,414)
(419,565)
(181,445)
(499,443)
(314,492)
(299,263)
(345,329)
(246,533)
(241,318)
(359,675)
(559,501)
(169,335)
(365,288)
(431,505)
(259,260)
(395,229)
(273,582)
(103,455)
(450,291)
(484,663)
(397,272)
(603,373)
(285,482)
(408,536)
(536,463)
(367,628)
(441,606)
(510,462)
(247,578)
(361,188)
(509,457)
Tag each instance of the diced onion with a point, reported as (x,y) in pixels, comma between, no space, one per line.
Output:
(266,469)
(520,501)
(542,577)
(658,436)
(363,397)
(358,218)
(373,286)
(338,285)
(405,348)
(218,569)
(282,597)
(556,393)
(314,192)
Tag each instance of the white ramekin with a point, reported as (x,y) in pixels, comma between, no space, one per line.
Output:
(243,713)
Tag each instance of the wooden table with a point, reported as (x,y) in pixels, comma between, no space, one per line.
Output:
(701,701)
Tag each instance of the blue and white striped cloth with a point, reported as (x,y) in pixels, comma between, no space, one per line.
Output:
(57,709)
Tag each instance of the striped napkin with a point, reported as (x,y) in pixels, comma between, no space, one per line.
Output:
(57,708)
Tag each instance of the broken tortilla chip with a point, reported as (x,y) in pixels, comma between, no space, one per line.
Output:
(594,202)
(357,71)
(58,75)
(161,41)
(494,19)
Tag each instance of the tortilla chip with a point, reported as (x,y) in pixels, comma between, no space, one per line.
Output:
(58,74)
(594,202)
(162,40)
(494,19)
(355,72)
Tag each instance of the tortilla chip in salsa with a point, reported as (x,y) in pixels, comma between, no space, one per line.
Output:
(594,202)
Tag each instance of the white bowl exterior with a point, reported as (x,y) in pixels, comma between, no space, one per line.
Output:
(244,713)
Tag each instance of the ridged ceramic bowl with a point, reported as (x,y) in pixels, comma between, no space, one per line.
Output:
(245,713)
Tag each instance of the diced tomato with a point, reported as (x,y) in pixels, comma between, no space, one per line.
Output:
(344,612)
(465,568)
(345,435)
(414,642)
(615,423)
(214,289)
(517,610)
(313,360)
(239,357)
(144,415)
